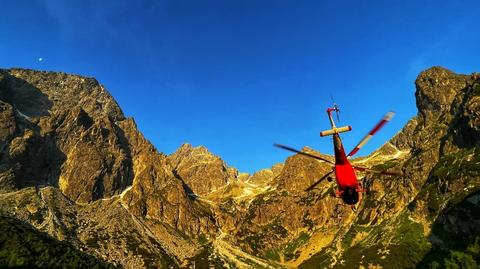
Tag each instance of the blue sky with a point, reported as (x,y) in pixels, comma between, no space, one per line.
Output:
(238,76)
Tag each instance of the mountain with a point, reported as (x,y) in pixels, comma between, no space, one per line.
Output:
(88,176)
(75,171)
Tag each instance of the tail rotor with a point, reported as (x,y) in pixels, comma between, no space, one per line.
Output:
(337,111)
(335,107)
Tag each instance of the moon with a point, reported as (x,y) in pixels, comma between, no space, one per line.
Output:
(40,59)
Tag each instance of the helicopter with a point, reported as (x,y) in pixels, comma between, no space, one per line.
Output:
(349,187)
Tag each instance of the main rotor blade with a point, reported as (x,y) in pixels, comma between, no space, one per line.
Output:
(375,129)
(364,169)
(303,153)
(318,181)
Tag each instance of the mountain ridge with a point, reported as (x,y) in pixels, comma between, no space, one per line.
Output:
(64,164)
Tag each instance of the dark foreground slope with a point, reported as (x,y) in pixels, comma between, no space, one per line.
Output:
(73,166)
(23,246)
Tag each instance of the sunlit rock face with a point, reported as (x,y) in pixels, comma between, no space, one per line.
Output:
(73,166)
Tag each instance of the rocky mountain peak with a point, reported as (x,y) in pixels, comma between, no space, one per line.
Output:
(299,172)
(63,127)
(448,104)
(38,93)
(200,169)
(437,88)
(186,150)
(266,177)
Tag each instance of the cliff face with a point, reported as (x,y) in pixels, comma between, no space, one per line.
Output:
(74,167)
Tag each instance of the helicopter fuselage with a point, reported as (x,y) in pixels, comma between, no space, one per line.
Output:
(344,174)
(349,188)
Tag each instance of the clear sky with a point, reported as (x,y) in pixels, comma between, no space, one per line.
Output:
(238,76)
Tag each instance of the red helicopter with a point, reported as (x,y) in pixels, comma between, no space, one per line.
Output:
(349,188)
